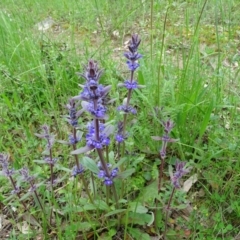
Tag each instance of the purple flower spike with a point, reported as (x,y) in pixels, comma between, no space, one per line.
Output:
(134,43)
(99,112)
(131,85)
(127,109)
(132,66)
(50,161)
(76,171)
(72,118)
(25,174)
(132,56)
(73,140)
(120,138)
(8,172)
(168,126)
(92,72)
(91,140)
(4,159)
(107,180)
(15,191)
(180,172)
(114,172)
(101,174)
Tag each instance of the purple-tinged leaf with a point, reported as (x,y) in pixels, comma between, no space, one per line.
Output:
(106,90)
(109,129)
(157,138)
(82,150)
(164,139)
(79,113)
(85,105)
(63,142)
(43,135)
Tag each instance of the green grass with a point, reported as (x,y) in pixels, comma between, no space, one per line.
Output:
(190,68)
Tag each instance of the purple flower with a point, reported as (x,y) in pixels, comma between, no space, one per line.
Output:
(46,135)
(4,159)
(101,167)
(25,175)
(101,174)
(73,114)
(50,161)
(168,126)
(120,138)
(114,172)
(163,153)
(127,109)
(92,73)
(89,95)
(98,112)
(132,66)
(179,173)
(134,43)
(8,172)
(107,180)
(16,190)
(103,141)
(132,56)
(131,85)
(76,171)
(91,138)
(91,128)
(73,140)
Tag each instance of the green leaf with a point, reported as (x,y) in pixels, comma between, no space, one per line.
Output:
(137,207)
(87,207)
(100,204)
(84,226)
(126,173)
(137,218)
(60,167)
(137,160)
(9,198)
(120,162)
(40,161)
(149,192)
(88,163)
(138,234)
(25,196)
(115,212)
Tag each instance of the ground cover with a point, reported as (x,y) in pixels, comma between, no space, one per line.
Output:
(190,71)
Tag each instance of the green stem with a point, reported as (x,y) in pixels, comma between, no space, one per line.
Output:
(86,189)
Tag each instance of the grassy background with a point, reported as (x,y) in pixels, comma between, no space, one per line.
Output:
(189,69)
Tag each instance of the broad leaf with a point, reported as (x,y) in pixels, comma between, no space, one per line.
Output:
(138,234)
(82,150)
(88,163)
(114,212)
(126,173)
(137,207)
(138,218)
